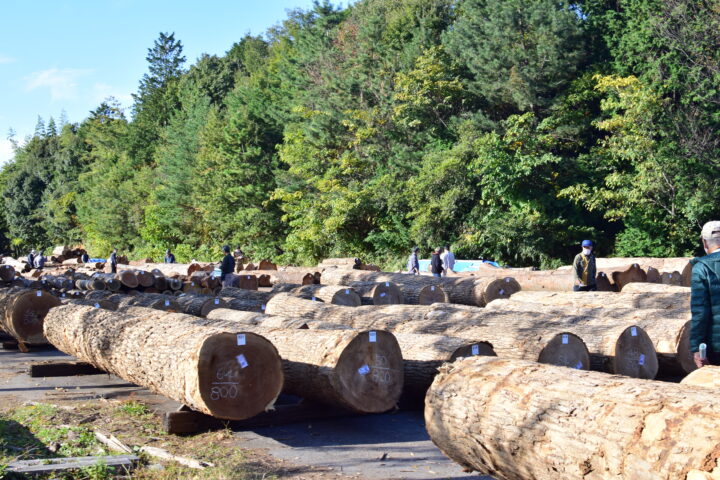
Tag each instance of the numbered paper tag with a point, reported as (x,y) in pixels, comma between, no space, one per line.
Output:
(475,350)
(373,336)
(43,282)
(262,307)
(347,291)
(63,295)
(641,360)
(364,370)
(633,331)
(217,301)
(192,284)
(432,289)
(670,276)
(507,280)
(382,294)
(241,339)
(248,277)
(564,339)
(579,366)
(387,284)
(314,299)
(241,361)
(39,293)
(97,305)
(167,303)
(502,292)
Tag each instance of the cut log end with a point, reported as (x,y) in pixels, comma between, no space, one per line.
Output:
(370,372)
(27,315)
(566,350)
(635,354)
(430,294)
(498,288)
(387,293)
(128,278)
(346,297)
(685,356)
(248,282)
(484,349)
(239,375)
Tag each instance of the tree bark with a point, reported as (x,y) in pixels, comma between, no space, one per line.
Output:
(335,294)
(518,420)
(23,311)
(668,330)
(198,305)
(707,376)
(248,300)
(463,290)
(191,360)
(303,277)
(650,300)
(7,273)
(18,265)
(99,303)
(128,278)
(148,300)
(378,293)
(110,281)
(656,288)
(671,278)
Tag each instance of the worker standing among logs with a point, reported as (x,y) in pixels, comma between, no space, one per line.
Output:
(705,299)
(112,261)
(519,420)
(227,267)
(584,267)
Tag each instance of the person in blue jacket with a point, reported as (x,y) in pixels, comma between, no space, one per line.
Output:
(169,257)
(705,298)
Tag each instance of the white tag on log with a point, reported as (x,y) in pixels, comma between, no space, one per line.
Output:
(192,284)
(97,305)
(373,337)
(364,370)
(475,350)
(262,307)
(670,276)
(387,284)
(432,289)
(217,301)
(507,280)
(43,282)
(63,295)
(241,339)
(39,293)
(347,291)
(382,294)
(167,303)
(633,331)
(641,360)
(502,292)
(579,366)
(248,277)
(564,339)
(241,361)
(314,299)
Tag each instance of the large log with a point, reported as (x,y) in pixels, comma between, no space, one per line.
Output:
(89,284)
(128,278)
(335,294)
(378,293)
(7,273)
(464,290)
(242,299)
(519,420)
(20,266)
(110,281)
(668,330)
(655,288)
(512,336)
(359,371)
(57,282)
(302,277)
(707,376)
(22,313)
(170,269)
(148,300)
(650,300)
(195,362)
(199,305)
(632,274)
(679,264)
(345,262)
(99,303)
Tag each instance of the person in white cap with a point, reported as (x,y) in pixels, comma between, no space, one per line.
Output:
(705,298)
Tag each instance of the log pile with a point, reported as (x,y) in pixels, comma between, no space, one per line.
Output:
(22,313)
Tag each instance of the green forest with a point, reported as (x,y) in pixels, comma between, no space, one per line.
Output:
(509,129)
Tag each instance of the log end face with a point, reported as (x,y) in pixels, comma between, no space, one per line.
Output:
(239,375)
(346,297)
(370,372)
(488,290)
(430,294)
(387,293)
(212,304)
(566,350)
(635,354)
(484,349)
(27,314)
(685,356)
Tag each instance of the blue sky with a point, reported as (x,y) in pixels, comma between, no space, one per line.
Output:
(70,55)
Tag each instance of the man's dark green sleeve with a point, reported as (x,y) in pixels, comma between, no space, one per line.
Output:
(700,307)
(578,268)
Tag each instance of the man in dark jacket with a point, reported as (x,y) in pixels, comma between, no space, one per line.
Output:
(705,298)
(85,258)
(112,260)
(31,259)
(227,266)
(436,264)
(585,270)
(413,264)
(169,257)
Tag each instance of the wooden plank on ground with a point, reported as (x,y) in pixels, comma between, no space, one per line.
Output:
(43,466)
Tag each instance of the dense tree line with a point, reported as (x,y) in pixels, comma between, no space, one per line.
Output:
(510,129)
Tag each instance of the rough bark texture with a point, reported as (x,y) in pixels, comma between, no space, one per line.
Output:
(302,277)
(148,300)
(661,300)
(248,300)
(668,330)
(239,316)
(111,283)
(707,376)
(170,269)
(199,305)
(519,420)
(680,264)
(191,360)
(378,293)
(655,288)
(632,274)
(23,311)
(99,303)
(463,290)
(671,278)
(128,278)
(7,273)
(335,294)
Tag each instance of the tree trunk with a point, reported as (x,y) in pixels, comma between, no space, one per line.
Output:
(128,278)
(632,274)
(198,305)
(650,300)
(378,293)
(196,362)
(247,300)
(99,303)
(464,290)
(242,317)
(337,295)
(656,288)
(668,330)
(247,282)
(359,371)
(171,269)
(90,284)
(18,265)
(22,313)
(707,376)
(148,300)
(681,264)
(266,265)
(7,273)
(671,278)
(58,282)
(519,420)
(512,336)
(345,262)
(110,281)
(430,294)
(295,277)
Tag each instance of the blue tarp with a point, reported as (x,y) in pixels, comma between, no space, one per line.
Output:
(462,265)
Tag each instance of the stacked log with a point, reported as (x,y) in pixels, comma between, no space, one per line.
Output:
(244,317)
(266,265)
(707,376)
(22,313)
(110,281)
(242,299)
(20,266)
(301,277)
(656,288)
(221,371)
(668,330)
(247,282)
(518,420)
(378,293)
(631,274)
(671,278)
(335,294)
(7,273)
(171,269)
(198,305)
(680,264)
(84,283)
(57,282)
(464,290)
(128,278)
(148,300)
(99,303)
(664,299)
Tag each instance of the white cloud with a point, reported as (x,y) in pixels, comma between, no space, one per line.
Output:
(6,59)
(6,151)
(61,82)
(101,91)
